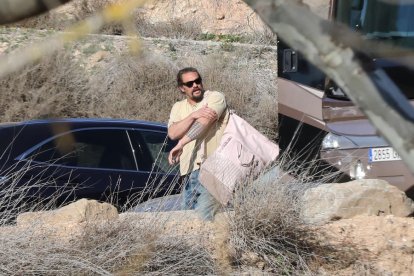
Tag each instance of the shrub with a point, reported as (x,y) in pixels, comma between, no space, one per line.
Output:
(134,88)
(131,87)
(19,194)
(55,87)
(123,247)
(267,227)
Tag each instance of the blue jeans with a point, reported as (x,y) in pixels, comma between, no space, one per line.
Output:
(192,191)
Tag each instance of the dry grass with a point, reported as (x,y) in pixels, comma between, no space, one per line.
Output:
(102,248)
(267,229)
(236,78)
(20,193)
(175,29)
(265,233)
(122,247)
(54,87)
(177,256)
(14,198)
(267,37)
(133,88)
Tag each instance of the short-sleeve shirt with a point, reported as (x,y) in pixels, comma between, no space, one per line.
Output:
(193,152)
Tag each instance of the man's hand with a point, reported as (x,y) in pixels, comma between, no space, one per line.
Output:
(204,112)
(175,153)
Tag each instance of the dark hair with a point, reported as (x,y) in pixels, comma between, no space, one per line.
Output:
(182,72)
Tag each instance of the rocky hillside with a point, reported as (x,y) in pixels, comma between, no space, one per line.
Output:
(217,17)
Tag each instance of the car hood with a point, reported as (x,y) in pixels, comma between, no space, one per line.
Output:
(360,127)
(360,132)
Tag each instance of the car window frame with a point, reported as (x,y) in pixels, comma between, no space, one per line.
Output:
(24,156)
(136,133)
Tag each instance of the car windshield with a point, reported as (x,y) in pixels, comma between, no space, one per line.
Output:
(388,21)
(385,20)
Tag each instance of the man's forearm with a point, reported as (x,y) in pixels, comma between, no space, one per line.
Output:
(196,131)
(179,129)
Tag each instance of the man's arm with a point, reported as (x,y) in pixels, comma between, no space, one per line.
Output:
(178,129)
(217,105)
(197,129)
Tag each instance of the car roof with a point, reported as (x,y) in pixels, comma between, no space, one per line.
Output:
(25,134)
(6,124)
(84,122)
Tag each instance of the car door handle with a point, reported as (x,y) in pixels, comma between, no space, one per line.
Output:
(290,61)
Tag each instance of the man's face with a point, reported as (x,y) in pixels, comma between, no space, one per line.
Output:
(192,87)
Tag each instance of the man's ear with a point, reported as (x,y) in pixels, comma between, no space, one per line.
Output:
(181,88)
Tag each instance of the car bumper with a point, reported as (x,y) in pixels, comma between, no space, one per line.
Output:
(355,163)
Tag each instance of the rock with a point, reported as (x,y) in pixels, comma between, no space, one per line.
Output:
(360,197)
(83,210)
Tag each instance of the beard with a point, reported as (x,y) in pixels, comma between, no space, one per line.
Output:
(199,97)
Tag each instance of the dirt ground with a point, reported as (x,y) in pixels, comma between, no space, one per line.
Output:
(385,244)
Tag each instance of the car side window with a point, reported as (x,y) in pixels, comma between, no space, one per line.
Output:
(158,146)
(100,148)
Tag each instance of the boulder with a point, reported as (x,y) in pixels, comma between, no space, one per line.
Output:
(83,210)
(359,197)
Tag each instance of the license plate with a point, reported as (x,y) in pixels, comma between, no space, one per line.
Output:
(382,154)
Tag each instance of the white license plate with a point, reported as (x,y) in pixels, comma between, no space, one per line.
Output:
(382,154)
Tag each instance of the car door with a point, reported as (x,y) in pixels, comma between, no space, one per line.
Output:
(300,87)
(96,163)
(153,147)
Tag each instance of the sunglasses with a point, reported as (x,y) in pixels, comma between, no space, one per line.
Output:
(190,84)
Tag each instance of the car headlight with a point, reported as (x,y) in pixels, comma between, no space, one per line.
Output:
(333,141)
(357,170)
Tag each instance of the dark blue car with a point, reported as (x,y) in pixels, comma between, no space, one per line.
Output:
(118,161)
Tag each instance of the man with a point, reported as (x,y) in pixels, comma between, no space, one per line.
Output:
(198,123)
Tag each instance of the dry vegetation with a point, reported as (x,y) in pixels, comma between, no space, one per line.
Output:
(105,248)
(265,230)
(81,9)
(128,87)
(55,87)
(14,196)
(262,233)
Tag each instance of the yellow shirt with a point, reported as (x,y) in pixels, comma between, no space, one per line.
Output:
(191,157)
